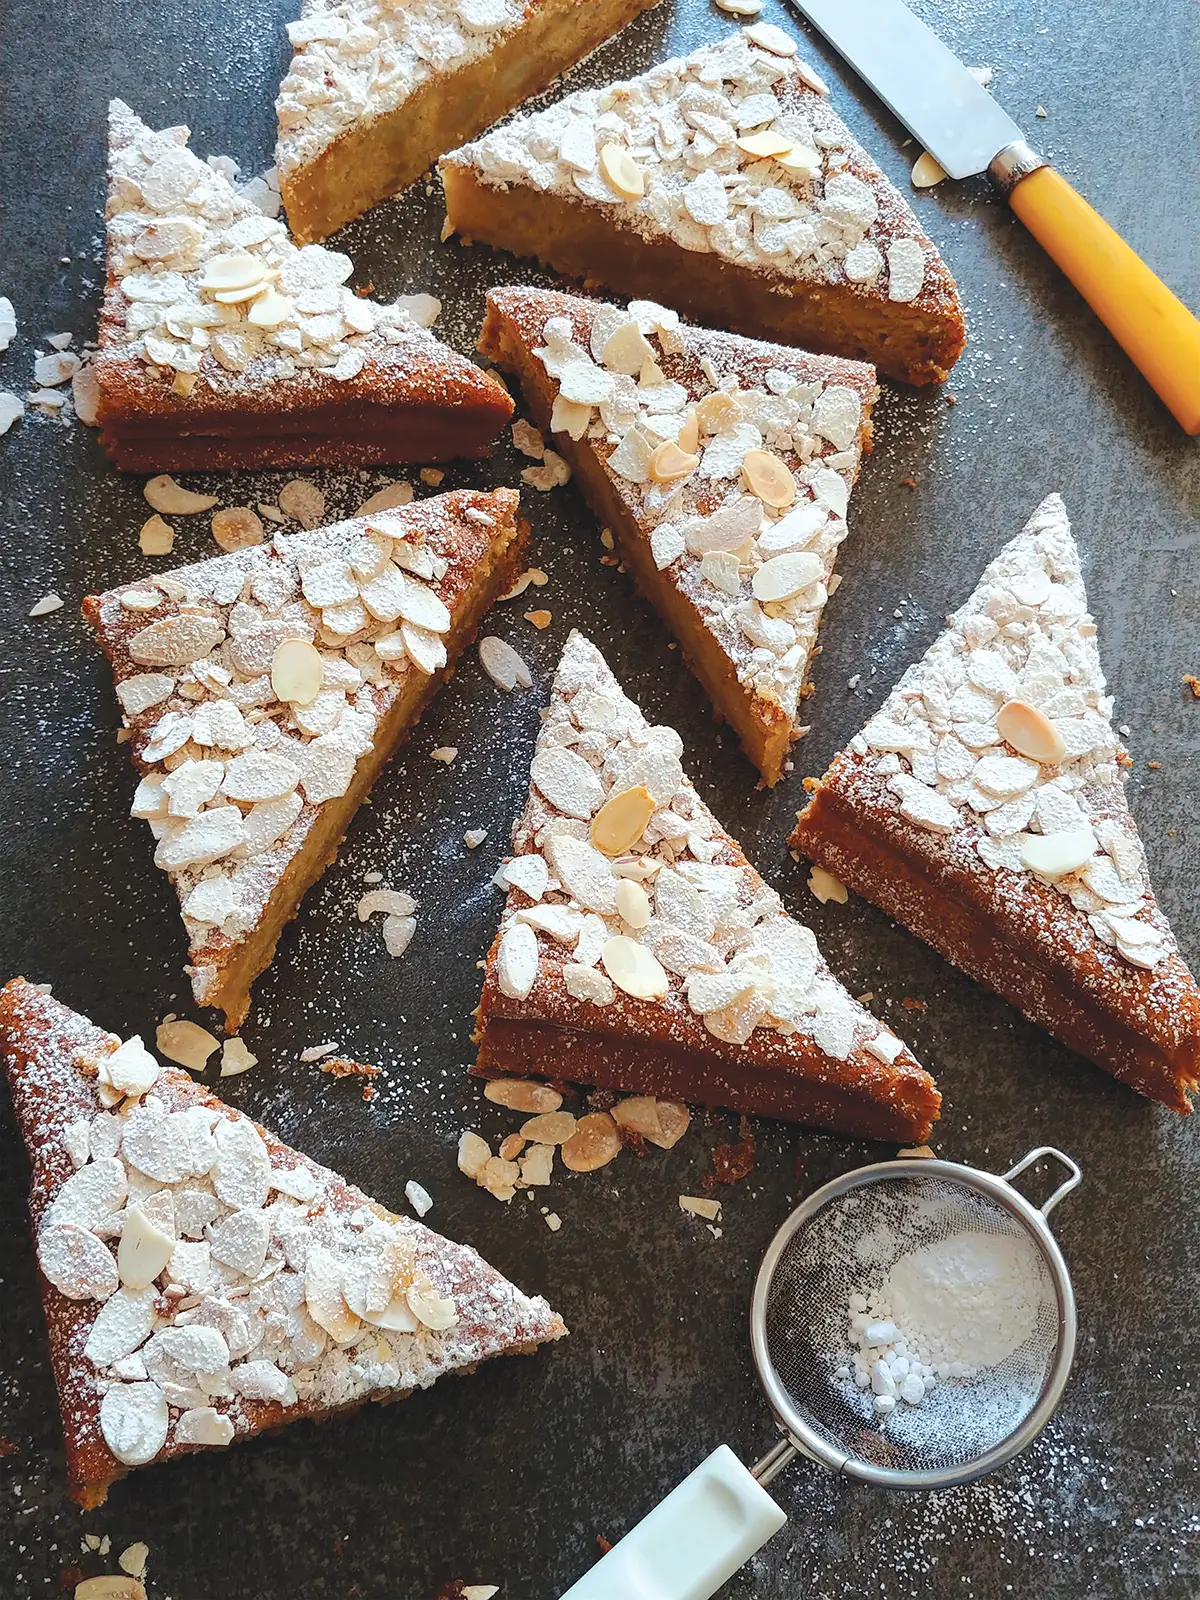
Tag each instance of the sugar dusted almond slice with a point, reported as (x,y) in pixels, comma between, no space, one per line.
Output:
(768,477)
(235,269)
(674,1119)
(783,576)
(518,1094)
(164,494)
(768,37)
(1031,733)
(185,1042)
(627,350)
(718,410)
(503,665)
(434,1311)
(760,145)
(633,903)
(801,158)
(553,1127)
(144,1250)
(688,437)
(634,969)
(297,672)
(670,464)
(622,172)
(594,1143)
(517,961)
(270,309)
(621,820)
(826,887)
(1056,854)
(741,8)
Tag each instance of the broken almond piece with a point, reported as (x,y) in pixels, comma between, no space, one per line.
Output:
(155,537)
(185,1042)
(717,411)
(688,437)
(670,464)
(927,171)
(553,1127)
(621,820)
(766,476)
(164,494)
(622,172)
(517,1094)
(695,1205)
(594,1144)
(539,618)
(511,1147)
(1031,733)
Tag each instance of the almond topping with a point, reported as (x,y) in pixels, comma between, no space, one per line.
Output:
(633,903)
(621,820)
(511,1147)
(927,171)
(634,968)
(670,464)
(1056,854)
(768,37)
(1031,733)
(517,1094)
(144,1250)
(297,672)
(237,269)
(110,1588)
(801,158)
(764,144)
(595,1143)
(768,477)
(783,576)
(688,438)
(717,410)
(185,1042)
(270,309)
(622,172)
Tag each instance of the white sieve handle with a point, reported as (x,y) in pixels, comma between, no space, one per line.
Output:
(692,1542)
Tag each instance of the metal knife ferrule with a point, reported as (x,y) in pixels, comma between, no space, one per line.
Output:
(1016,161)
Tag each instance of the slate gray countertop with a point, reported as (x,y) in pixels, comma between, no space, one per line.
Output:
(509,1477)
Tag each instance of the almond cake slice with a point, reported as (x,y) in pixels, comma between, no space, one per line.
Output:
(378,89)
(202,1281)
(723,467)
(266,689)
(640,950)
(724,183)
(983,807)
(224,345)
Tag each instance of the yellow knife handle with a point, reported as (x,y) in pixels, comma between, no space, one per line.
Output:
(1154,328)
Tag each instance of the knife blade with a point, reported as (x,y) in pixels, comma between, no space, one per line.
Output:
(966,131)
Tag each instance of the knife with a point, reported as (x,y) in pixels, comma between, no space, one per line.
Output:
(964,129)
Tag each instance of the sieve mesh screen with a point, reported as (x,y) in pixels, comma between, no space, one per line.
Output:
(849,1246)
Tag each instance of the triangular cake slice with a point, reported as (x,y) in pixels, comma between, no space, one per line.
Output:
(224,345)
(265,689)
(640,950)
(202,1281)
(378,89)
(983,807)
(725,183)
(722,466)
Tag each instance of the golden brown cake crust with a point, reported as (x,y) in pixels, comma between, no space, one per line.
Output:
(43,1042)
(1012,933)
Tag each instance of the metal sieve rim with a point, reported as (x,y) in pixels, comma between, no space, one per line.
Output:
(993,1186)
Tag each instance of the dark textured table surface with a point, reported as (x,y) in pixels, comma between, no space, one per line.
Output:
(509,1477)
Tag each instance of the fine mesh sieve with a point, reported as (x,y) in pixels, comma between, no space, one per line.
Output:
(848,1235)
(842,1241)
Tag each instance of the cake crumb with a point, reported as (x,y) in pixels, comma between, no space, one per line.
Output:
(1193,683)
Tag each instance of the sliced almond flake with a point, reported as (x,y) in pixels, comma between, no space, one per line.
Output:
(826,887)
(155,537)
(446,753)
(185,1042)
(47,604)
(517,961)
(503,665)
(237,527)
(302,500)
(236,1058)
(697,1206)
(398,934)
(473,1154)
(165,495)
(389,498)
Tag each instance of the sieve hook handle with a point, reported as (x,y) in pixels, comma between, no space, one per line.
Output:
(1064,1188)
(692,1542)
